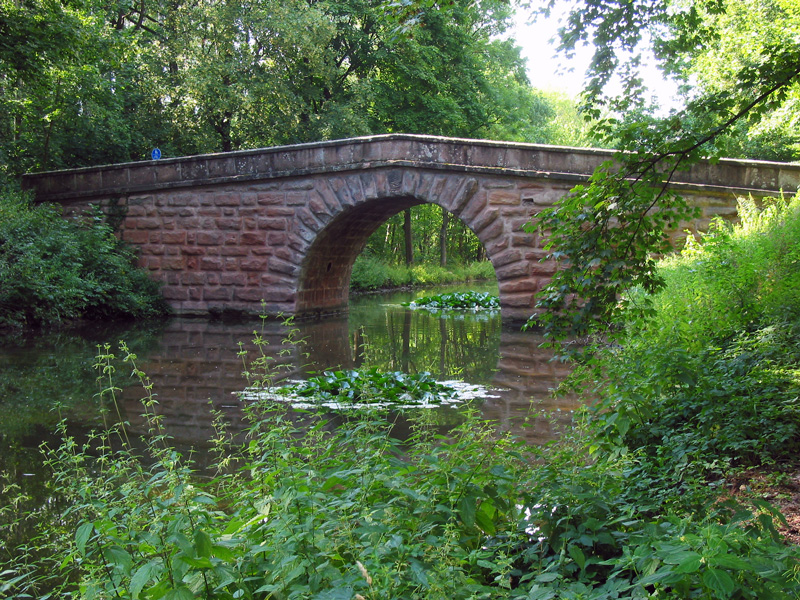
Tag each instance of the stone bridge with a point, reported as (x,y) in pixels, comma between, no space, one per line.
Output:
(283,225)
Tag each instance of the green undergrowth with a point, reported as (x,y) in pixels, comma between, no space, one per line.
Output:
(54,270)
(308,507)
(372,274)
(457,301)
(628,504)
(711,380)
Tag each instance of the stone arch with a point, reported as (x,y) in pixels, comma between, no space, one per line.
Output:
(347,209)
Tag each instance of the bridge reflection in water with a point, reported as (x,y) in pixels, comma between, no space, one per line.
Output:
(194,366)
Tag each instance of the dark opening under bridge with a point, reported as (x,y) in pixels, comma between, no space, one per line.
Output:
(284,225)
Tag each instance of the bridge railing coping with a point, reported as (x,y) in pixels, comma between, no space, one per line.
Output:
(401,150)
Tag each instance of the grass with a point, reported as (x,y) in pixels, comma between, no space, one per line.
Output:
(370,274)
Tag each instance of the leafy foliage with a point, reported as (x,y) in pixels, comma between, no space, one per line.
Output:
(711,379)
(457,301)
(111,83)
(303,509)
(621,214)
(53,270)
(370,273)
(369,385)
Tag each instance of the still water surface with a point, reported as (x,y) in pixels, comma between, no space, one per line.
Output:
(196,365)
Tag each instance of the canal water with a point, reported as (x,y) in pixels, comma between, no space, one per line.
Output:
(197,366)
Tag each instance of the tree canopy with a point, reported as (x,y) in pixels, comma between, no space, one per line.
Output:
(85,82)
(738,64)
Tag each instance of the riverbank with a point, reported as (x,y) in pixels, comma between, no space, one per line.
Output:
(371,275)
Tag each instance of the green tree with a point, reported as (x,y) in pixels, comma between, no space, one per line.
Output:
(605,232)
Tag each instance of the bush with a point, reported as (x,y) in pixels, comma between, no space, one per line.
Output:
(736,278)
(710,381)
(54,270)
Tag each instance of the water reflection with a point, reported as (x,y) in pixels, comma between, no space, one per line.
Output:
(195,365)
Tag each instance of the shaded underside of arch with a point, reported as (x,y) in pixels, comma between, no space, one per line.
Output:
(324,279)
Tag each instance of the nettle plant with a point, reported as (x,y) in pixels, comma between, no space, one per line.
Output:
(307,506)
(300,509)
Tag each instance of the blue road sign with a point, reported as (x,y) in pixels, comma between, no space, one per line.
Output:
(156,154)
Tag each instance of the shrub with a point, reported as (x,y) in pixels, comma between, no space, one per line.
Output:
(710,380)
(53,270)
(736,278)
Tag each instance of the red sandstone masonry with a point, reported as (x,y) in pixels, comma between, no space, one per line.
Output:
(285,224)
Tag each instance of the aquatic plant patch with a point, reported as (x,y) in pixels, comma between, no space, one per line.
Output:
(362,388)
(457,301)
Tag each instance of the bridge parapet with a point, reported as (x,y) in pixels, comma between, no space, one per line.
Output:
(399,150)
(284,224)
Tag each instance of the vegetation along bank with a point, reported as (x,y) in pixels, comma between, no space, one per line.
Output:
(634,502)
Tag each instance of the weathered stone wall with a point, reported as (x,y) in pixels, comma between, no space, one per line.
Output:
(284,225)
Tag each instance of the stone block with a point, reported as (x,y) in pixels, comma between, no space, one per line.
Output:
(227,199)
(465,193)
(234,251)
(217,294)
(253,238)
(209,238)
(483,220)
(505,258)
(277,265)
(174,293)
(270,198)
(493,231)
(190,278)
(194,169)
(173,263)
(513,271)
(173,237)
(209,263)
(136,237)
(222,167)
(228,223)
(504,197)
(235,279)
(254,264)
(274,224)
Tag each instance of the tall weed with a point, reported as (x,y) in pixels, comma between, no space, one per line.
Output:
(736,278)
(712,379)
(310,507)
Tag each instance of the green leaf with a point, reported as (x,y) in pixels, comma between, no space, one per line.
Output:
(577,555)
(118,557)
(202,562)
(690,563)
(720,582)
(484,517)
(729,561)
(202,543)
(82,536)
(466,510)
(142,576)
(181,593)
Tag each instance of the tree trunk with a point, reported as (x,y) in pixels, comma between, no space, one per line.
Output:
(443,239)
(407,236)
